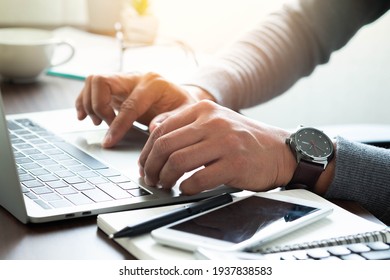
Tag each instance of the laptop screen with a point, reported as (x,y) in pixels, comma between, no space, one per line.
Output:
(11,197)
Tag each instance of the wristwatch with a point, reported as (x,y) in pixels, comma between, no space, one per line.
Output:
(313,150)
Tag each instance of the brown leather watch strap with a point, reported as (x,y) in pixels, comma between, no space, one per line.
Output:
(305,176)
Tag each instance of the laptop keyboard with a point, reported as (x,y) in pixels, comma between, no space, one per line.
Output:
(57,174)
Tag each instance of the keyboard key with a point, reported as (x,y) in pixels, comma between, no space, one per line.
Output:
(13,125)
(17,140)
(42,204)
(25,177)
(378,246)
(377,255)
(51,197)
(41,190)
(358,248)
(114,191)
(74,180)
(87,174)
(83,186)
(78,168)
(18,155)
(56,168)
(60,203)
(47,162)
(29,166)
(318,253)
(39,157)
(39,172)
(97,195)
(29,137)
(23,146)
(78,199)
(37,141)
(53,152)
(48,178)
(97,180)
(61,157)
(31,152)
(300,255)
(30,195)
(288,257)
(119,179)
(57,184)
(33,184)
(339,250)
(23,160)
(23,132)
(27,123)
(21,171)
(66,190)
(64,173)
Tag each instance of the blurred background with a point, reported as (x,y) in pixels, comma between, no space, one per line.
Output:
(354,87)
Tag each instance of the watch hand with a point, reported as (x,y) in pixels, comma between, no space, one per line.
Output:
(322,150)
(316,146)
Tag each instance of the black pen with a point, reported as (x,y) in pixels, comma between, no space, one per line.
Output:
(173,216)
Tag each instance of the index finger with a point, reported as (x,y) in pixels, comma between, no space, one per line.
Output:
(131,109)
(121,123)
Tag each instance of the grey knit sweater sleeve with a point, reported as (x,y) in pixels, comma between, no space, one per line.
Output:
(285,47)
(363,175)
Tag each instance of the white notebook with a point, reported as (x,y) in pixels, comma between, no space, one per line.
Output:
(339,223)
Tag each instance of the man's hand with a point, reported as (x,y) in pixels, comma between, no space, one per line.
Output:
(119,100)
(222,146)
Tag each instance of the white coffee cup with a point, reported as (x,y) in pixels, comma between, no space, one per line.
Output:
(25,53)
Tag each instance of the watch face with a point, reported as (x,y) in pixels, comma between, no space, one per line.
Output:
(313,143)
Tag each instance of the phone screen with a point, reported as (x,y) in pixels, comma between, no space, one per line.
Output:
(240,221)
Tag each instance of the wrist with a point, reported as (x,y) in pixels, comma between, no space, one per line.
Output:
(197,93)
(289,161)
(327,176)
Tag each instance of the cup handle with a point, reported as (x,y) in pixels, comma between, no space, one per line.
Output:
(71,54)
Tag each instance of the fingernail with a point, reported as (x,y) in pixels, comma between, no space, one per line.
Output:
(147,181)
(156,124)
(107,140)
(141,171)
(159,119)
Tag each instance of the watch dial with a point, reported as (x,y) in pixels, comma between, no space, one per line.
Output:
(314,143)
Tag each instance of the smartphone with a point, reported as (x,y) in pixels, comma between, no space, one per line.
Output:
(242,224)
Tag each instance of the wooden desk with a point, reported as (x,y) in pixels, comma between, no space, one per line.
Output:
(70,239)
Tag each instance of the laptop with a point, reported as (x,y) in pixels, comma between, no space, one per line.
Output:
(52,167)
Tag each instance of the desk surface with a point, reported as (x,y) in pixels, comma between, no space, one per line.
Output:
(70,239)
